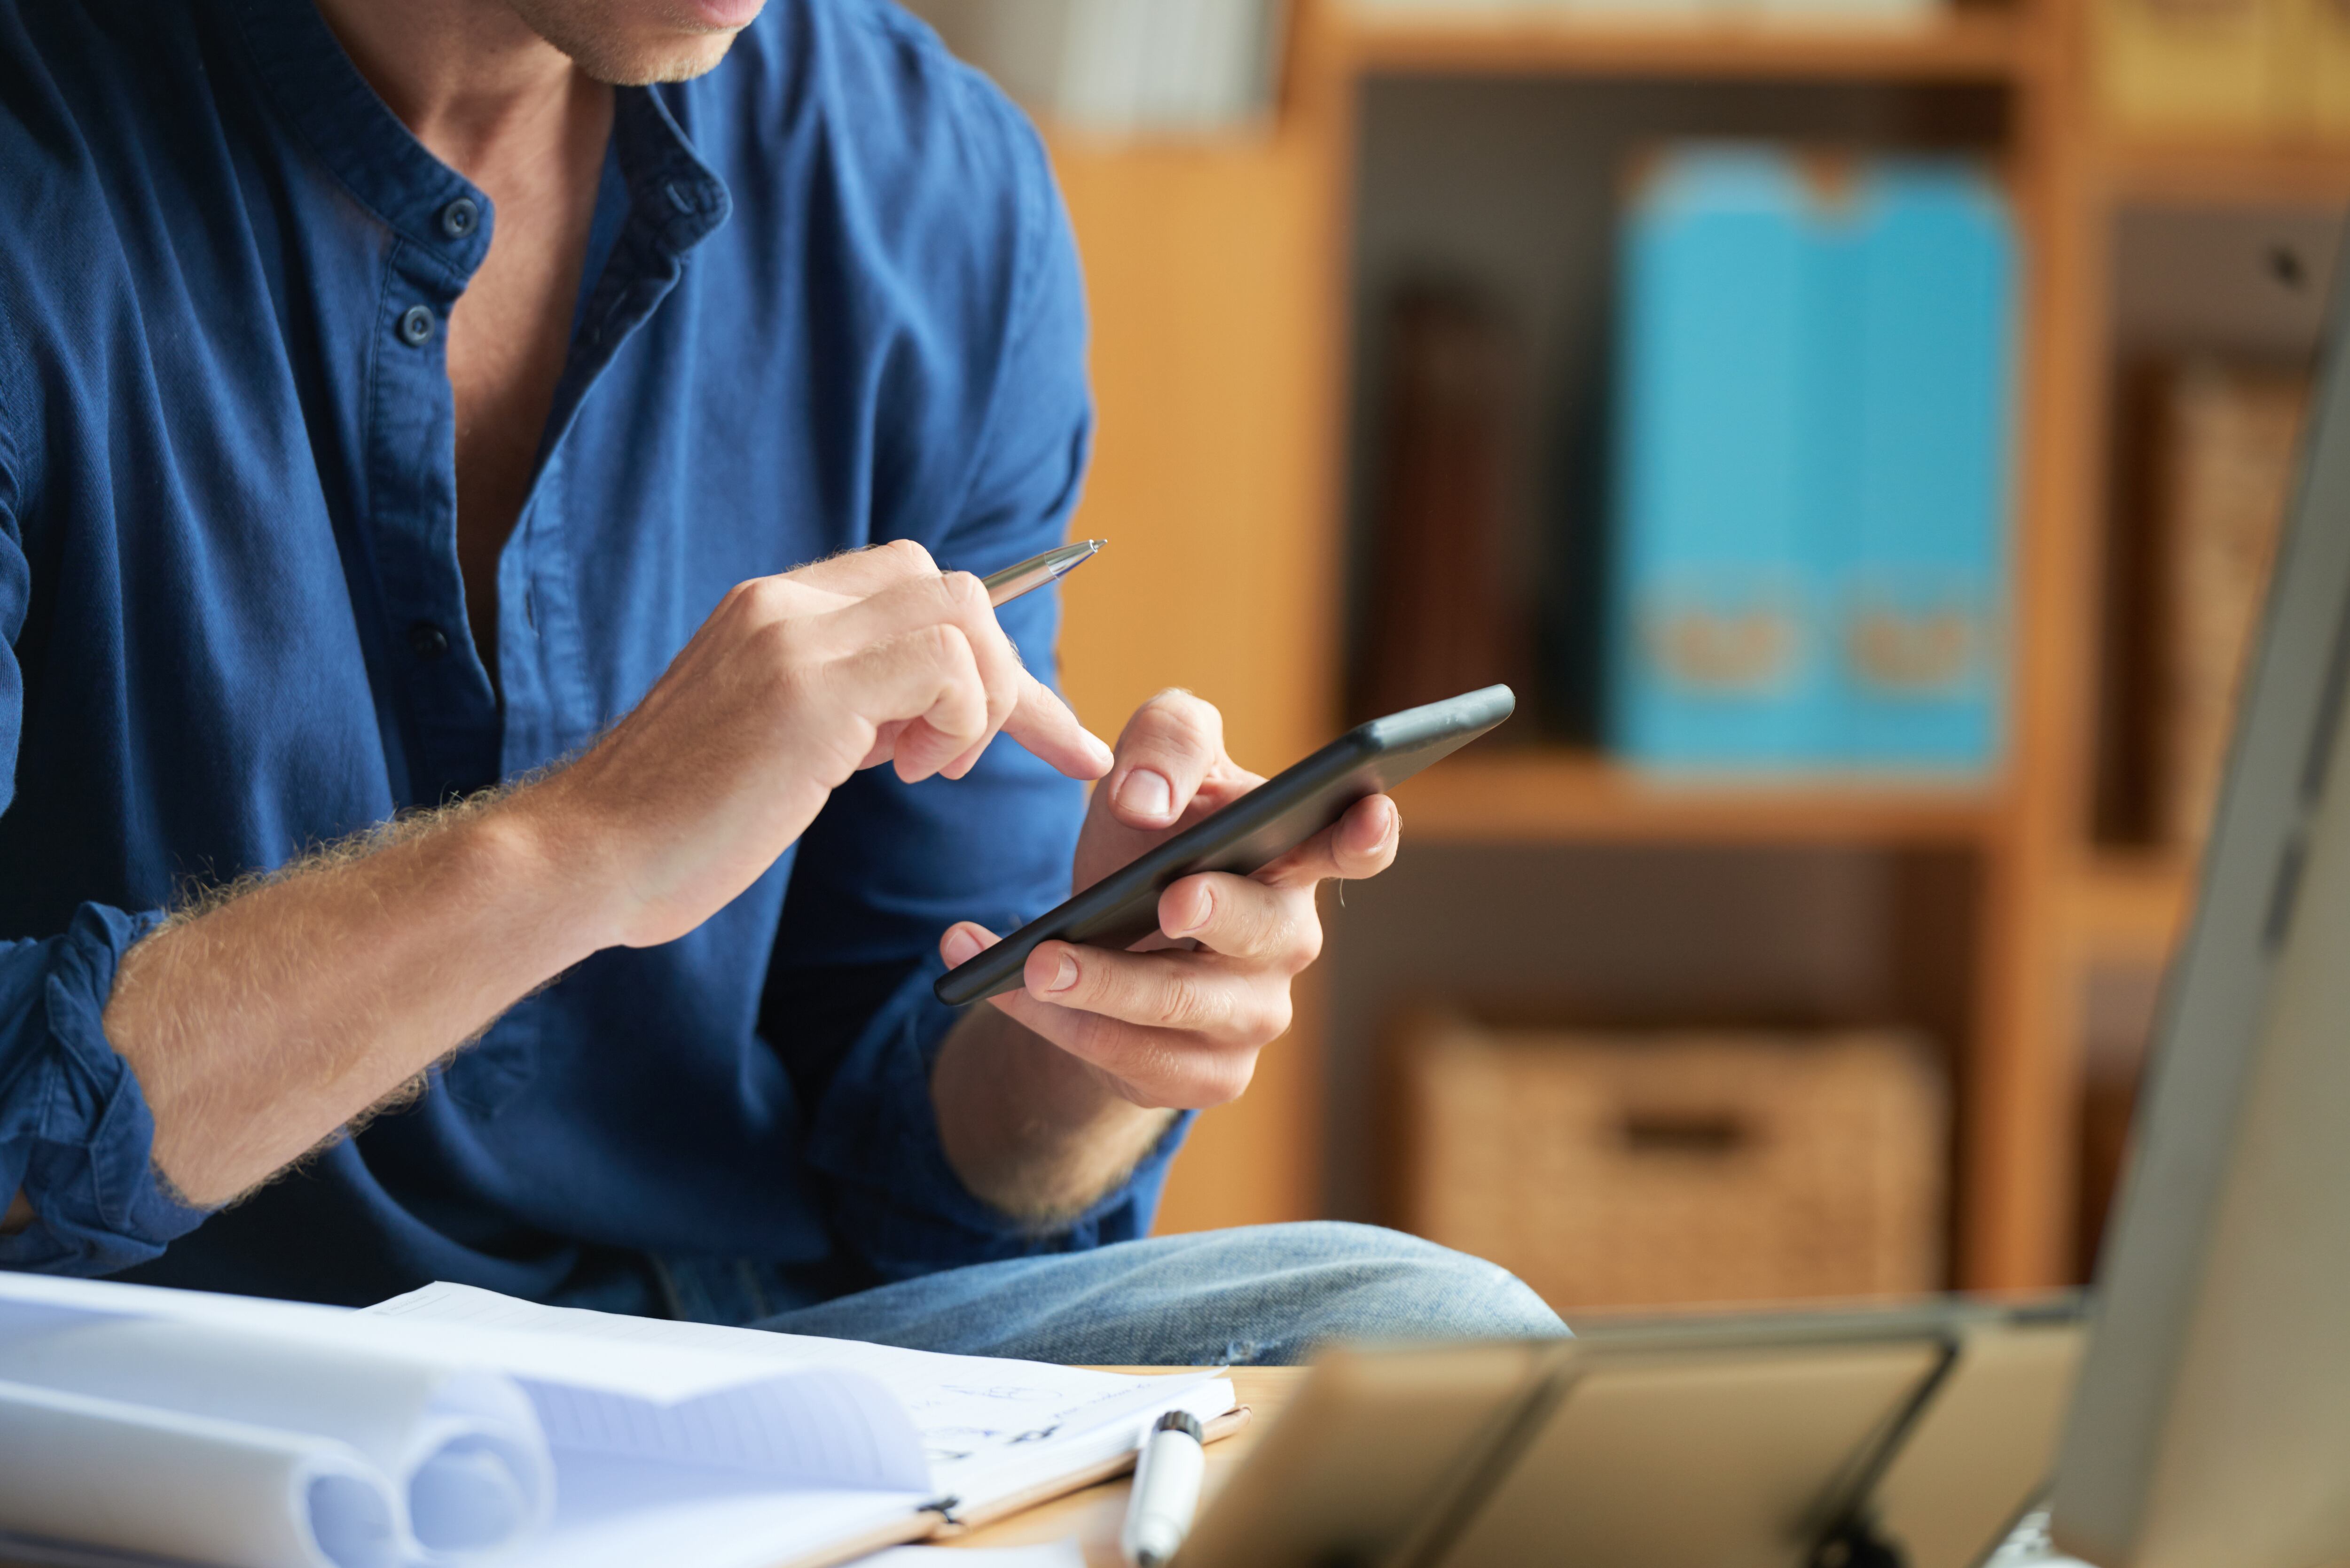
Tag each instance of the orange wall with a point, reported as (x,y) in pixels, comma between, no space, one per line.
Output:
(1207,271)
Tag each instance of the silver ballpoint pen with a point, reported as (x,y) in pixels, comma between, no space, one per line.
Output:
(1025,576)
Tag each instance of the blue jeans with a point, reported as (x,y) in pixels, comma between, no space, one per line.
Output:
(1265,1295)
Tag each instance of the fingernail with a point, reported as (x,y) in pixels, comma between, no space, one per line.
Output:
(1147,794)
(1205,903)
(1097,749)
(962,947)
(1064,974)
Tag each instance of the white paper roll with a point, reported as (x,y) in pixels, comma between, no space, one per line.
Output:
(130,1478)
(463,1452)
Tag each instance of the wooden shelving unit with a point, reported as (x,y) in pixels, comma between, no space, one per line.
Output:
(1563,796)
(1970,47)
(1219,282)
(2130,907)
(2248,175)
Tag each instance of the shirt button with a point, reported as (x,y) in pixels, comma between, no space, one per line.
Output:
(459,217)
(416,327)
(429,641)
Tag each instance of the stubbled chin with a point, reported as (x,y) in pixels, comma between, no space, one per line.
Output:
(674,59)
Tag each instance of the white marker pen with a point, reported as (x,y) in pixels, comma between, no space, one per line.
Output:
(1165,1491)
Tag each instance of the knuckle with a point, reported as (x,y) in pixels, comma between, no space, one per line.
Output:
(1177,716)
(777,644)
(1272,1018)
(766,596)
(1110,989)
(946,641)
(908,553)
(1185,1005)
(1276,931)
(1161,716)
(1258,928)
(1226,1079)
(963,591)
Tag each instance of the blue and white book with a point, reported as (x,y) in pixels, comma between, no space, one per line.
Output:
(1922,600)
(1811,490)
(1718,653)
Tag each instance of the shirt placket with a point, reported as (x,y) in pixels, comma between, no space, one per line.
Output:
(412,505)
(674,203)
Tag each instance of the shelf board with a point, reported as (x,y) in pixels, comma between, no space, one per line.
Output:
(2131,906)
(1557,795)
(2249,174)
(1969,45)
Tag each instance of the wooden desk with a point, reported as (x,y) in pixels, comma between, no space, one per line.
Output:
(1095,1514)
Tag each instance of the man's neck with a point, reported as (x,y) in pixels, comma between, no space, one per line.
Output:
(468,78)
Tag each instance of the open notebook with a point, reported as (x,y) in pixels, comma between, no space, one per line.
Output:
(452,1425)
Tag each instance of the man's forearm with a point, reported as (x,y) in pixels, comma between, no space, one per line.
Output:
(259,1027)
(1029,1127)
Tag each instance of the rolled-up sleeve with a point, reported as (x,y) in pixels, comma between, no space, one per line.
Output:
(888,867)
(75,1133)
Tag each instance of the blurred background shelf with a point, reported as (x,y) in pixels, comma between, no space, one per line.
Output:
(2131,907)
(1968,46)
(1558,795)
(1243,281)
(2224,175)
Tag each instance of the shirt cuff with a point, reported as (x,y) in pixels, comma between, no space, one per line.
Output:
(898,1201)
(76,1136)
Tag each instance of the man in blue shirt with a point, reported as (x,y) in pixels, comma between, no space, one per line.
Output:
(410,445)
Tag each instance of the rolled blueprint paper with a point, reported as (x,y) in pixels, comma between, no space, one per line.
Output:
(463,1451)
(130,1478)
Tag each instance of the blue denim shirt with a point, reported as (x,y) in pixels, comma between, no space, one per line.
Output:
(831,298)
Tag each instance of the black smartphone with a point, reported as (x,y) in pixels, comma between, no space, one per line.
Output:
(1253,831)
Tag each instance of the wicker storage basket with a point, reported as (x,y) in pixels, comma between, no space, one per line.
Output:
(1623,1169)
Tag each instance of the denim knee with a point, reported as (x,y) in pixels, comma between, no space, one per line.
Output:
(1262,1294)
(1369,1283)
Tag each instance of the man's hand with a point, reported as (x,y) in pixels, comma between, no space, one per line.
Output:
(793,684)
(260,1026)
(1175,1024)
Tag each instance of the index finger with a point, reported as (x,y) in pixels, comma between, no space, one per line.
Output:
(1042,723)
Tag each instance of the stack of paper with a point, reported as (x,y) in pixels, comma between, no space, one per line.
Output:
(1635,10)
(452,1425)
(1123,67)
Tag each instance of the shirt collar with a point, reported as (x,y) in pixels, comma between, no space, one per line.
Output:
(304,70)
(670,190)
